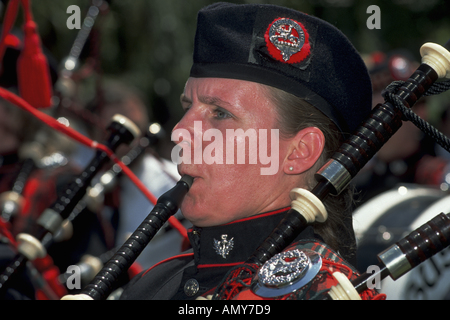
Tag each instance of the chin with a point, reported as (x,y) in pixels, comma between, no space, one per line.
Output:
(189,212)
(198,217)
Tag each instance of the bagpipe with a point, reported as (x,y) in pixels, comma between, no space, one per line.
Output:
(384,220)
(32,246)
(167,205)
(73,200)
(400,258)
(336,174)
(307,207)
(54,222)
(12,202)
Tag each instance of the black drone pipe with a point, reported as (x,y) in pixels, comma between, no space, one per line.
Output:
(166,206)
(420,245)
(30,245)
(353,154)
(11,202)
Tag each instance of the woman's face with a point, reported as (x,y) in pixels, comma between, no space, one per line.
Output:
(229,183)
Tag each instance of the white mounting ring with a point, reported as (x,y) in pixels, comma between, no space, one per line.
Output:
(308,205)
(437,57)
(344,290)
(30,247)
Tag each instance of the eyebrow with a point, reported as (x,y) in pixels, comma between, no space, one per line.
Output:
(207,100)
(214,101)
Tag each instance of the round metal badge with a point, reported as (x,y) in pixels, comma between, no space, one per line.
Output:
(287,272)
(191,287)
(287,36)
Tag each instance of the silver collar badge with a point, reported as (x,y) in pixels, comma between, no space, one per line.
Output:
(224,246)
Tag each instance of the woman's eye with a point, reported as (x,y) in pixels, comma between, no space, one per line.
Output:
(221,114)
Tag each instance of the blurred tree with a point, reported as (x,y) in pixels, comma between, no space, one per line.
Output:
(148,44)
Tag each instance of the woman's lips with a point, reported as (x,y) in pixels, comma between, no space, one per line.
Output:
(184,172)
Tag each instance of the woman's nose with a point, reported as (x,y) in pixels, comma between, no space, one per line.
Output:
(184,128)
(192,123)
(188,135)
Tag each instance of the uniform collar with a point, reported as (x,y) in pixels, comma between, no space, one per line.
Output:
(234,242)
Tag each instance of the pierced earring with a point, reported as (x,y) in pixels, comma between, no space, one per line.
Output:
(291,168)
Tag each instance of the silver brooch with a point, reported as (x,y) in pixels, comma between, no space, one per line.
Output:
(224,246)
(282,36)
(287,272)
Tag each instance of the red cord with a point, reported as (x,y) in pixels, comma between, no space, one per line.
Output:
(8,22)
(53,123)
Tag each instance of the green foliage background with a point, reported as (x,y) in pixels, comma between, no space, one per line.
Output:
(148,43)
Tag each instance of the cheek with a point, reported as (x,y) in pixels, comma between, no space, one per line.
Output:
(220,197)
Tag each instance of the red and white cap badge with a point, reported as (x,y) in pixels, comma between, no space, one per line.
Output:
(287,40)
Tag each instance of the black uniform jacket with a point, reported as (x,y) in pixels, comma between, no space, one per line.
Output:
(214,251)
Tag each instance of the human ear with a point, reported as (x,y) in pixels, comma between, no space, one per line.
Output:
(305,149)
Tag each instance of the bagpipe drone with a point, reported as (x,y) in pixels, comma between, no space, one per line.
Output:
(307,206)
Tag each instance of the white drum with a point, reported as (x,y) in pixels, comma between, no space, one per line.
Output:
(387,218)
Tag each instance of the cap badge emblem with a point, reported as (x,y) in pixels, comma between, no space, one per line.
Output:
(287,41)
(224,246)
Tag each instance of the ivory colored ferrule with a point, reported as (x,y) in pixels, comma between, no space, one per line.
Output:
(14,201)
(437,57)
(130,125)
(308,205)
(94,265)
(77,297)
(344,290)
(30,247)
(12,196)
(65,232)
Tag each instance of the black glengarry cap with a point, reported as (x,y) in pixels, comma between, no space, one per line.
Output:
(286,49)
